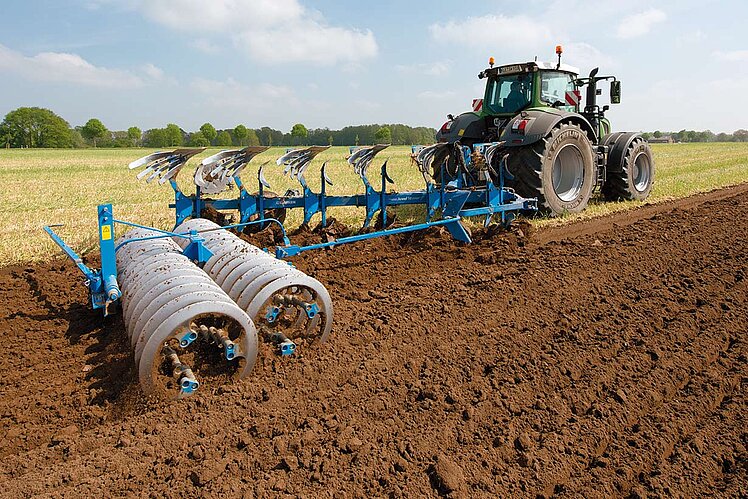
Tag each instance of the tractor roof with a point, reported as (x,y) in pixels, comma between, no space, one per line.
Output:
(563,67)
(528,67)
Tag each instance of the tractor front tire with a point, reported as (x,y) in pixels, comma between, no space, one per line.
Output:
(635,179)
(558,170)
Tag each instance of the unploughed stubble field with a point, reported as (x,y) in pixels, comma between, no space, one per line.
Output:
(39,187)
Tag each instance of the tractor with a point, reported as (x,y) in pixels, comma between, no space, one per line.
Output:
(554,148)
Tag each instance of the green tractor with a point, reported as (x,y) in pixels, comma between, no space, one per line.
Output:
(555,148)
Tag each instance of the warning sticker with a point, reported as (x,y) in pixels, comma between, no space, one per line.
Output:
(106,232)
(573,97)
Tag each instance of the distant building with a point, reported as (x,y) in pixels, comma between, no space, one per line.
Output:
(665,139)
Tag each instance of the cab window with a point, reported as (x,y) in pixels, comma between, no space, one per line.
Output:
(509,93)
(553,88)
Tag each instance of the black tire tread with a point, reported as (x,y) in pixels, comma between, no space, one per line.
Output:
(616,187)
(526,166)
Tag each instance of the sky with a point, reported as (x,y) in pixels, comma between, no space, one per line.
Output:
(324,63)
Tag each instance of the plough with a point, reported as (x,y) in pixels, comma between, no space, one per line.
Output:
(465,196)
(199,296)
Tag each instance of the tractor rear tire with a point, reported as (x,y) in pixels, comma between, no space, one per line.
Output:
(558,170)
(636,178)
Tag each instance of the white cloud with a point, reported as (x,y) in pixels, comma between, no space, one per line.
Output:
(233,94)
(436,68)
(269,31)
(732,56)
(67,68)
(493,31)
(205,46)
(519,37)
(305,40)
(220,15)
(727,85)
(640,24)
(353,68)
(584,55)
(366,105)
(670,97)
(153,72)
(692,38)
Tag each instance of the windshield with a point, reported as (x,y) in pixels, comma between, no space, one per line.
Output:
(508,93)
(553,88)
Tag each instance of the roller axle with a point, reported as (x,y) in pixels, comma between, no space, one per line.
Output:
(182,372)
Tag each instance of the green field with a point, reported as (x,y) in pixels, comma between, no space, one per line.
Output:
(41,187)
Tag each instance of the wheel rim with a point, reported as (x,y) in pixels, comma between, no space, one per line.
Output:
(642,172)
(568,173)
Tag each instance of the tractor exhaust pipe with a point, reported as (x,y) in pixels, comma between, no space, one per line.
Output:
(592,91)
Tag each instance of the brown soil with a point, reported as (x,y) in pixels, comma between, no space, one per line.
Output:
(604,358)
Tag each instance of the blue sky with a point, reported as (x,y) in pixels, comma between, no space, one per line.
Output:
(324,63)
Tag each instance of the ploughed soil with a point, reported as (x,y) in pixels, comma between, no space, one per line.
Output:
(605,358)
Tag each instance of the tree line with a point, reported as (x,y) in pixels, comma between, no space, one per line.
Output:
(699,136)
(39,127)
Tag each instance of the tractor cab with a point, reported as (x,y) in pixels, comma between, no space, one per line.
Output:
(516,87)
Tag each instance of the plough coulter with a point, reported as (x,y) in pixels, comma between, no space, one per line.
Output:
(196,300)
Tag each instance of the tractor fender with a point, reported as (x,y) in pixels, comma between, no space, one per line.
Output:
(618,143)
(540,124)
(465,126)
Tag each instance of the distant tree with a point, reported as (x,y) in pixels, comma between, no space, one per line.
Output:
(197,139)
(740,135)
(119,138)
(299,132)
(356,141)
(209,132)
(134,135)
(156,137)
(330,140)
(5,137)
(77,139)
(705,136)
(646,135)
(174,135)
(35,127)
(223,139)
(241,133)
(723,137)
(252,138)
(265,134)
(657,134)
(93,129)
(383,135)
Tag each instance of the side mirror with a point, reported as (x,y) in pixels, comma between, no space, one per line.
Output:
(615,92)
